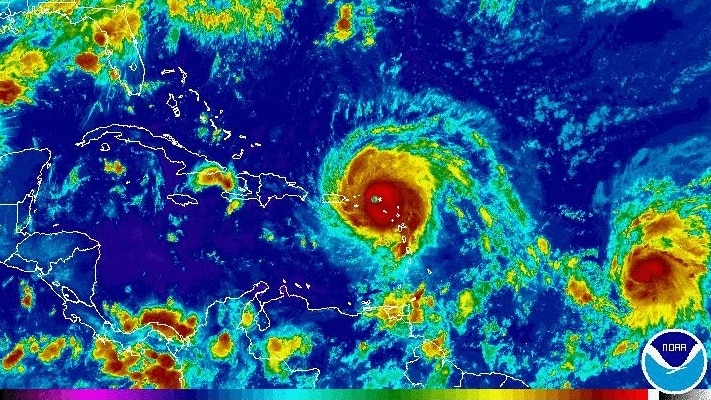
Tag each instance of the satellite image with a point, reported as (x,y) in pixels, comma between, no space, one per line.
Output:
(329,194)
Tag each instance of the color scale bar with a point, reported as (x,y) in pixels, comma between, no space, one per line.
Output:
(337,394)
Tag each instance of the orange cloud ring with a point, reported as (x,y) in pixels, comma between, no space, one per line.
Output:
(388,197)
(660,276)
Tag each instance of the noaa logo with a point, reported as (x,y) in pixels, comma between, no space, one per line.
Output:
(674,361)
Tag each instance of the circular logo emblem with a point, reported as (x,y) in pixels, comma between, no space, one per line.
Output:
(674,361)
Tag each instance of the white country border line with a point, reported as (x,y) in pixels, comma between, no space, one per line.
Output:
(116,131)
(77,248)
(32,196)
(401,317)
(284,293)
(173,104)
(290,184)
(84,17)
(185,342)
(260,288)
(491,373)
(463,373)
(182,200)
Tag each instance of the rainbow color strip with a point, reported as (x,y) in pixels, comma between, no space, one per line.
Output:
(338,394)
